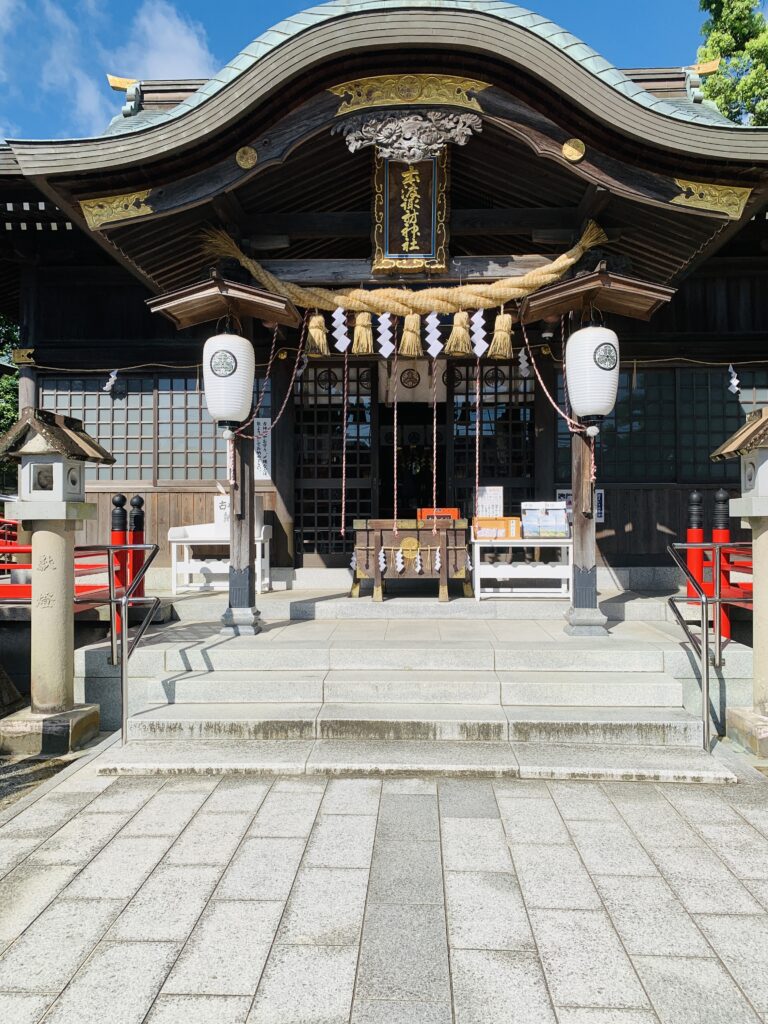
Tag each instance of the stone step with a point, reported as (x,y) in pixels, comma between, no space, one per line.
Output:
(214,687)
(644,726)
(624,763)
(405,722)
(284,605)
(591,689)
(347,686)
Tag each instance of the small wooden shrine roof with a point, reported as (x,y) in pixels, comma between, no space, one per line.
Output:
(754,434)
(210,300)
(60,435)
(610,293)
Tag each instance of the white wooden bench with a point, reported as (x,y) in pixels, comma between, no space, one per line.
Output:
(215,571)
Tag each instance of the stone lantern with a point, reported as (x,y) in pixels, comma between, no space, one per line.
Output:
(52,452)
(749,726)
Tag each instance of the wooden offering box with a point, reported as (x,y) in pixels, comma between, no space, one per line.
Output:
(415,551)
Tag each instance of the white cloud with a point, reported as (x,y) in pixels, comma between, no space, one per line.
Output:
(10,15)
(64,70)
(162,43)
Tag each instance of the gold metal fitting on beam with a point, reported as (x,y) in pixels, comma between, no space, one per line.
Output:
(405,90)
(246,157)
(728,199)
(114,208)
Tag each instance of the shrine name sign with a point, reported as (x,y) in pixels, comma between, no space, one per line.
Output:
(409,222)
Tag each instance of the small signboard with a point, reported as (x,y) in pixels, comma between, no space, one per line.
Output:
(262,463)
(566,495)
(410,205)
(490,502)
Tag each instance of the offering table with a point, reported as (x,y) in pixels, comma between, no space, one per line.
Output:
(410,550)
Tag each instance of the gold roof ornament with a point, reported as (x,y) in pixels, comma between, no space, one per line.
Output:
(574,150)
(120,84)
(407,90)
(702,195)
(115,208)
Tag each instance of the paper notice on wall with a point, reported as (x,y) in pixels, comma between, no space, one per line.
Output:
(262,462)
(490,502)
(221,510)
(567,496)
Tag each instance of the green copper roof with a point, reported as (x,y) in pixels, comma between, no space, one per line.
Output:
(701,113)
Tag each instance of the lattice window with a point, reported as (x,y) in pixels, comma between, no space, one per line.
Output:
(156,426)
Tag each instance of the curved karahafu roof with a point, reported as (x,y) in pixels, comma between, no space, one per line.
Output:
(343,29)
(512,14)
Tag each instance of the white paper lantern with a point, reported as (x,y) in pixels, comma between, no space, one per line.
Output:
(229,366)
(592,372)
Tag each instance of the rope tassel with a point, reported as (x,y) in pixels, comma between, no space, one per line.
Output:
(458,343)
(501,345)
(410,343)
(362,340)
(317,342)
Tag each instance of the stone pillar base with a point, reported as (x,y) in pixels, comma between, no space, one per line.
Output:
(241,622)
(585,622)
(749,728)
(25,732)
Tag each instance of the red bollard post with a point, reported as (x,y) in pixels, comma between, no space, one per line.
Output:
(136,536)
(118,536)
(695,535)
(721,534)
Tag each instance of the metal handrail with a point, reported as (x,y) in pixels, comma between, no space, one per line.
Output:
(701,644)
(120,651)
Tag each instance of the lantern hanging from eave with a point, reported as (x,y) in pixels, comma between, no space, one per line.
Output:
(229,367)
(592,373)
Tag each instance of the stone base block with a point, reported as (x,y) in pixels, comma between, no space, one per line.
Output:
(28,733)
(585,622)
(241,622)
(748,728)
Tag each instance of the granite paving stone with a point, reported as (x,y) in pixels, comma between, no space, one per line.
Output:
(14,849)
(467,799)
(125,795)
(234,795)
(583,959)
(604,1015)
(702,882)
(44,817)
(306,985)
(758,887)
(341,840)
(351,796)
(227,950)
(119,869)
(533,821)
(100,991)
(396,1011)
(166,813)
(325,908)
(688,990)
(491,985)
(52,948)
(741,847)
(554,878)
(404,954)
(407,816)
(474,844)
(699,804)
(582,801)
(25,892)
(79,840)
(520,789)
(485,911)
(262,869)
(22,1008)
(609,848)
(286,814)
(742,945)
(409,787)
(199,1010)
(649,918)
(406,871)
(209,839)
(167,906)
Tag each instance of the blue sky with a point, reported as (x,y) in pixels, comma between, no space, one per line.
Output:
(54,54)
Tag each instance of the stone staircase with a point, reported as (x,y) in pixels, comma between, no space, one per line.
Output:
(416,696)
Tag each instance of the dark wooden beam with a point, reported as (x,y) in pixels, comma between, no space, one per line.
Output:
(357,224)
(353,272)
(593,202)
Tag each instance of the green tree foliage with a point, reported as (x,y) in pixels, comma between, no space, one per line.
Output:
(736,31)
(9,397)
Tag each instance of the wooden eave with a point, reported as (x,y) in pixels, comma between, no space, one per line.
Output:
(211,300)
(754,434)
(601,290)
(396,31)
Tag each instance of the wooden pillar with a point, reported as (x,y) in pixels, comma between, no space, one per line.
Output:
(27,388)
(584,616)
(242,616)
